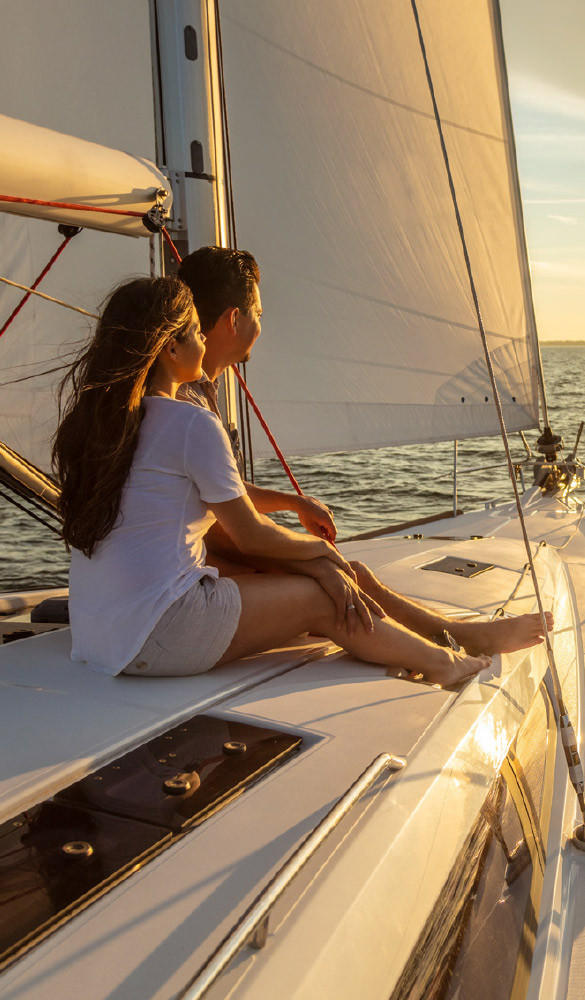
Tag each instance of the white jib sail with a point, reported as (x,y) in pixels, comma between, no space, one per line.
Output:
(370,336)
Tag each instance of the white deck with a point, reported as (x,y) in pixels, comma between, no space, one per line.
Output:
(150,935)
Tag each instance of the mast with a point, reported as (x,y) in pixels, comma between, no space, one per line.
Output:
(189,96)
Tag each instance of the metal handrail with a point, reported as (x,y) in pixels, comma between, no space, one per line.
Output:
(492,465)
(254,923)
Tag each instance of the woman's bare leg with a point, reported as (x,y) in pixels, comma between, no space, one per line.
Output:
(277,608)
(503,635)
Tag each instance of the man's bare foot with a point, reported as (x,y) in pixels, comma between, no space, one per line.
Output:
(449,667)
(502,635)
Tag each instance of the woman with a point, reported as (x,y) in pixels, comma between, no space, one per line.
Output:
(143,478)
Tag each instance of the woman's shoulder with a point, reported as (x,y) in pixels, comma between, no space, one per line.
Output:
(180,420)
(178,410)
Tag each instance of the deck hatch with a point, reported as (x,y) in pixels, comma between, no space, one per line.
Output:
(198,754)
(62,854)
(458,567)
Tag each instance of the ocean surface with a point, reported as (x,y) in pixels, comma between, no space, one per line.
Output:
(365,489)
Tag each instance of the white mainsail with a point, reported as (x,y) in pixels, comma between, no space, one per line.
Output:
(340,190)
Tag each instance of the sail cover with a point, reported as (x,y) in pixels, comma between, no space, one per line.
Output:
(370,335)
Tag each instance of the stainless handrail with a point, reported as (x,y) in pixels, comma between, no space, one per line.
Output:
(254,922)
(518,467)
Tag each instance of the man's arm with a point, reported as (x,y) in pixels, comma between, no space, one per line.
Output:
(313,515)
(340,585)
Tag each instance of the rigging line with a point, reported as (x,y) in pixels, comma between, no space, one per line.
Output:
(11,499)
(49,298)
(267,431)
(38,491)
(227,235)
(482,332)
(519,211)
(24,493)
(249,396)
(564,722)
(518,584)
(241,416)
(35,283)
(248,426)
(171,245)
(70,206)
(225,127)
(231,214)
(558,548)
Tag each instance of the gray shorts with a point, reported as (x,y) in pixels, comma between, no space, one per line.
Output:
(193,634)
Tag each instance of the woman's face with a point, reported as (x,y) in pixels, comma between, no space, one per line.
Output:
(189,353)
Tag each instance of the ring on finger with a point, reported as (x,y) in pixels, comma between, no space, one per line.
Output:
(350,607)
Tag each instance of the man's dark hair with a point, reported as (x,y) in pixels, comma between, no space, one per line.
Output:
(219,279)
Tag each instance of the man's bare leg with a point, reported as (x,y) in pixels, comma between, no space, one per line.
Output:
(503,635)
(277,607)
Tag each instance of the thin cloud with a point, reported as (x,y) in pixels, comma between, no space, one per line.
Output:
(554,269)
(567,220)
(538,95)
(552,201)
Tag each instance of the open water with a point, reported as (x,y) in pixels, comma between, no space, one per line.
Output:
(365,489)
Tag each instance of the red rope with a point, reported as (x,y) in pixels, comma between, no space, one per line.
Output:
(69,205)
(38,280)
(248,394)
(267,430)
(172,246)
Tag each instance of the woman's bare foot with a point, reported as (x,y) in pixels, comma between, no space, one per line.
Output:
(449,667)
(502,635)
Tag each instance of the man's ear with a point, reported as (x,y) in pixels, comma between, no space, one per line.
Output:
(232,315)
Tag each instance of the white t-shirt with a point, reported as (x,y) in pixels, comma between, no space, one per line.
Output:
(155,551)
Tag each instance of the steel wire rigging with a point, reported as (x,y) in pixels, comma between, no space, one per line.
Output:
(567,732)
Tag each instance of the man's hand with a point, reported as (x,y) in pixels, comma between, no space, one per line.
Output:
(352,605)
(316,518)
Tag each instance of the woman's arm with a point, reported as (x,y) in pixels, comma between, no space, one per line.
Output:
(256,535)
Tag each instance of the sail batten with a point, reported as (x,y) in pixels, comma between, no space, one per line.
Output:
(342,194)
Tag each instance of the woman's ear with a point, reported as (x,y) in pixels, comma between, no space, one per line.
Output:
(170,349)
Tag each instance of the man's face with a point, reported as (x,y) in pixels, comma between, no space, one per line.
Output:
(248,326)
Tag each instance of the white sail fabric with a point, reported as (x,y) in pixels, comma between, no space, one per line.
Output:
(98,87)
(370,336)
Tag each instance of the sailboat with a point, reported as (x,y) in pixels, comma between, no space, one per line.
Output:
(296,824)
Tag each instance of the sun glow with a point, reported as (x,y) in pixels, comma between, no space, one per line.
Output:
(491,739)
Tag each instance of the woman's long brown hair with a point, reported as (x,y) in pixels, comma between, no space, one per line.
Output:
(98,430)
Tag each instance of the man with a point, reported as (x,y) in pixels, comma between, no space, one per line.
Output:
(224,284)
(225,289)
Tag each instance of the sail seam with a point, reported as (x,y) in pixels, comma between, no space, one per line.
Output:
(364,90)
(397,307)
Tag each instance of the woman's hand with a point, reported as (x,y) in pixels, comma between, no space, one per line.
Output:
(352,605)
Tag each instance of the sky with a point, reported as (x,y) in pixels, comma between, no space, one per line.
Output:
(545,54)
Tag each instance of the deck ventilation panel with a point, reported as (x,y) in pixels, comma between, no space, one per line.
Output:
(61,855)
(458,567)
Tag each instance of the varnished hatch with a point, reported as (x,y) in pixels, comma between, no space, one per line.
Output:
(59,856)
